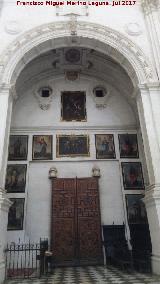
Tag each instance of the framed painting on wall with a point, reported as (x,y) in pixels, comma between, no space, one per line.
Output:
(132,175)
(42,147)
(72,145)
(128,145)
(18,147)
(16,178)
(136,210)
(16,214)
(73,106)
(105,146)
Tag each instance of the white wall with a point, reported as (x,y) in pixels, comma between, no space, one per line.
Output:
(29,119)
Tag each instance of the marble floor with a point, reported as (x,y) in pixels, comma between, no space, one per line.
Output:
(91,275)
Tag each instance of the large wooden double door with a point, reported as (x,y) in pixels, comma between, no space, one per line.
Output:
(76,226)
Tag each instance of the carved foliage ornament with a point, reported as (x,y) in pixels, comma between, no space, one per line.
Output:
(150,6)
(144,70)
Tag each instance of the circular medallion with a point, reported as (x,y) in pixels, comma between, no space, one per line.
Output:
(72,55)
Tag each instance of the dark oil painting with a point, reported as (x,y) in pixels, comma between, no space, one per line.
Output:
(132,175)
(105,146)
(73,106)
(128,145)
(136,210)
(72,145)
(16,178)
(16,214)
(18,147)
(42,147)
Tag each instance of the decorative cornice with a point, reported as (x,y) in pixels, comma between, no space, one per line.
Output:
(150,6)
(48,129)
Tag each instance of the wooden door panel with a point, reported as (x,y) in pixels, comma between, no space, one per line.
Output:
(89,239)
(63,237)
(76,226)
(89,223)
(63,225)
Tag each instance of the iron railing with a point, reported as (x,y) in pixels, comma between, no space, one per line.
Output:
(25,260)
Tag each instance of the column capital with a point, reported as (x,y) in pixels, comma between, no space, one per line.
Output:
(8,88)
(150,6)
(5,203)
(152,195)
(150,86)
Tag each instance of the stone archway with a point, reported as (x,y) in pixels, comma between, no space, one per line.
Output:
(103,39)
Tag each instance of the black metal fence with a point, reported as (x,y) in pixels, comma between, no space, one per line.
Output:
(25,260)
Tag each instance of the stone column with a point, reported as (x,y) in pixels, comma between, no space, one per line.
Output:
(5,118)
(148,103)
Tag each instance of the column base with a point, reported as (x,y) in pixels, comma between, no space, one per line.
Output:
(156,264)
(2,272)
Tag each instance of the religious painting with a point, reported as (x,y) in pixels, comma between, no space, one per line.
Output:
(132,176)
(16,214)
(18,147)
(128,146)
(136,210)
(42,147)
(72,145)
(73,106)
(16,178)
(105,146)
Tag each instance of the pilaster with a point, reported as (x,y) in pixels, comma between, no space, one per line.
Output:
(151,10)
(6,99)
(5,203)
(148,103)
(152,202)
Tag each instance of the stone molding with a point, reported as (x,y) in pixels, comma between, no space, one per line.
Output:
(28,46)
(154,86)
(46,129)
(150,6)
(9,89)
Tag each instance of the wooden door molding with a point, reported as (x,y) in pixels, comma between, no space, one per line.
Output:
(76,223)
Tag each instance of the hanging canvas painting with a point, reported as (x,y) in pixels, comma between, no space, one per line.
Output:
(16,214)
(132,176)
(128,145)
(42,147)
(105,146)
(16,178)
(73,106)
(72,145)
(136,210)
(18,147)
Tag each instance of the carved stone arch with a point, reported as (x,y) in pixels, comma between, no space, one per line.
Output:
(104,39)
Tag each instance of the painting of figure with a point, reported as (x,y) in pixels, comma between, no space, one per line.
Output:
(73,106)
(72,145)
(132,175)
(105,146)
(136,209)
(128,145)
(16,178)
(42,147)
(16,214)
(18,147)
